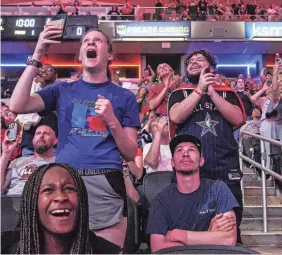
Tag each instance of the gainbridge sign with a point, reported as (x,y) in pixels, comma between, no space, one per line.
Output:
(153,29)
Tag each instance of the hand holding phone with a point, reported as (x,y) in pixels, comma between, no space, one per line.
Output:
(59,20)
(8,146)
(53,33)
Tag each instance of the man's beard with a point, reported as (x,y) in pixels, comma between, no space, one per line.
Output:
(194,79)
(41,149)
(187,173)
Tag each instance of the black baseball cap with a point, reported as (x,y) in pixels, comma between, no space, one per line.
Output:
(184,138)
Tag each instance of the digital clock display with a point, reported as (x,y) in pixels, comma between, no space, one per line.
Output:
(30,27)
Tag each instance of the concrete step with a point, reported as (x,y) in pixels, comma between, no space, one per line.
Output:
(267,249)
(258,183)
(248,170)
(257,200)
(250,177)
(251,238)
(257,191)
(256,224)
(256,211)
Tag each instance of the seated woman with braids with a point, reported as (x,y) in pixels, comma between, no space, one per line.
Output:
(54,216)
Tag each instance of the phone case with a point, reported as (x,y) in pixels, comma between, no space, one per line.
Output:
(61,20)
(12,131)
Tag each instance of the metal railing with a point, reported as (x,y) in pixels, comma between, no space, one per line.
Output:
(261,166)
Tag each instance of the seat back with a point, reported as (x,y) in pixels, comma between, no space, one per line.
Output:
(10,212)
(153,183)
(131,243)
(207,249)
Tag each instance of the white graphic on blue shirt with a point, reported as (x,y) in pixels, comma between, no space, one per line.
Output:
(208,125)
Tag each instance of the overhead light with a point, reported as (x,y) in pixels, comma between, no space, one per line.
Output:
(267,38)
(248,66)
(236,65)
(153,39)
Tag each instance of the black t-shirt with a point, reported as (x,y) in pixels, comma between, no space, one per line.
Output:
(193,8)
(236,8)
(251,9)
(158,4)
(114,15)
(10,241)
(213,9)
(202,6)
(220,149)
(246,102)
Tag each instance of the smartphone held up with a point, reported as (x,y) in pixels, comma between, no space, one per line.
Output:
(14,131)
(59,20)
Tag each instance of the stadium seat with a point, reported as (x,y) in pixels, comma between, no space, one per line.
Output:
(131,243)
(153,183)
(207,249)
(147,16)
(10,212)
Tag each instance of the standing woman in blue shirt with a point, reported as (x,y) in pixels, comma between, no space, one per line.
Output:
(97,123)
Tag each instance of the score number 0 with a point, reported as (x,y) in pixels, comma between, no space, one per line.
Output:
(79,31)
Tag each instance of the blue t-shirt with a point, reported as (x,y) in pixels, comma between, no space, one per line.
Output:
(84,141)
(171,209)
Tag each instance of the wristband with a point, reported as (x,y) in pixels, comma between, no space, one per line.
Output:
(198,92)
(32,62)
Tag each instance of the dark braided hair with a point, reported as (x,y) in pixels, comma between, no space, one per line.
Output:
(30,229)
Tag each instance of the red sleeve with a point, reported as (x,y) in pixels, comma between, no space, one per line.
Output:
(152,93)
(139,152)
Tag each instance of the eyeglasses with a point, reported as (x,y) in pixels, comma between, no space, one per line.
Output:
(46,69)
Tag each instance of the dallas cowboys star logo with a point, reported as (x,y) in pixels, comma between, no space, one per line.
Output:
(208,125)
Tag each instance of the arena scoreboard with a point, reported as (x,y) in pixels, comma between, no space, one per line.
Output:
(21,28)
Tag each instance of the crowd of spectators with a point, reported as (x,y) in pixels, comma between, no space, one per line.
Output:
(201,10)
(201,112)
(192,10)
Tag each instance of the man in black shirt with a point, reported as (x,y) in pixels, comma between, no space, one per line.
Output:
(244,94)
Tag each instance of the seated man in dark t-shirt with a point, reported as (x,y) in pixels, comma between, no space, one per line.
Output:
(194,211)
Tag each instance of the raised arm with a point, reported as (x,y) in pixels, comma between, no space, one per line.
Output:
(152,76)
(155,100)
(263,76)
(153,155)
(7,150)
(275,77)
(21,101)
(256,98)
(125,137)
